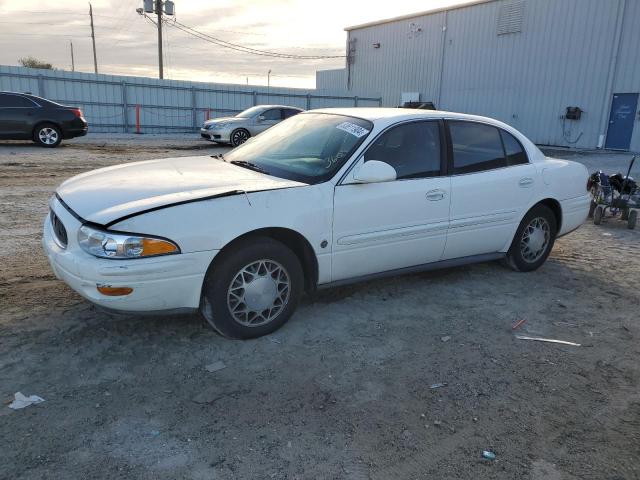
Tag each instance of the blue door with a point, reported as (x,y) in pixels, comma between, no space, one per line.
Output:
(621,120)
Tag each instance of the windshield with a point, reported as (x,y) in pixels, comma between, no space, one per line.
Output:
(308,148)
(250,112)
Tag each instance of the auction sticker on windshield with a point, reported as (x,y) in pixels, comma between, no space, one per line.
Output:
(353,129)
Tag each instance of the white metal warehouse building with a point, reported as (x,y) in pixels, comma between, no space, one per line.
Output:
(521,61)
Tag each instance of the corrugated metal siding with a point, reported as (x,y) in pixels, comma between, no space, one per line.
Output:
(528,79)
(335,79)
(407,61)
(560,58)
(166,105)
(627,78)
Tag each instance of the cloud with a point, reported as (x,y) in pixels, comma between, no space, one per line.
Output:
(127,43)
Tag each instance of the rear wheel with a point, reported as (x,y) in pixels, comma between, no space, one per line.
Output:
(632,219)
(624,214)
(534,239)
(47,135)
(598,214)
(253,289)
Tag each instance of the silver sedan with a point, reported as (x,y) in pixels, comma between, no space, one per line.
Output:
(238,129)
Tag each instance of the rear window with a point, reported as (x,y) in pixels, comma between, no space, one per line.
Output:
(513,149)
(476,147)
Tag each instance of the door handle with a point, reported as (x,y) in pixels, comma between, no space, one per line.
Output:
(435,195)
(526,182)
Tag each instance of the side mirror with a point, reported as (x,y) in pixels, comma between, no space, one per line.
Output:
(261,118)
(374,171)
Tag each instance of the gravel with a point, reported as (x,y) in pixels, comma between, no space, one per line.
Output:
(344,389)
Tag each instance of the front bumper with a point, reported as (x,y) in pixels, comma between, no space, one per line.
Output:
(218,135)
(167,283)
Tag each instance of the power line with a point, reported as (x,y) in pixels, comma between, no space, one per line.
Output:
(241,48)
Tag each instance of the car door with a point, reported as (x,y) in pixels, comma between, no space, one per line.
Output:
(492,184)
(268,119)
(379,227)
(16,116)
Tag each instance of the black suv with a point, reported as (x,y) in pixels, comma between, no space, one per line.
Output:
(27,117)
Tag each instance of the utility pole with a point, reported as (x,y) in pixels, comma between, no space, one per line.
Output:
(73,65)
(93,40)
(269,78)
(159,13)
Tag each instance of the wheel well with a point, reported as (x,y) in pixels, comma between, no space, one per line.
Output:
(44,122)
(555,207)
(292,239)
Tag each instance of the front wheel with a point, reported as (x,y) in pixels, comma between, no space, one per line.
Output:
(253,289)
(534,239)
(239,136)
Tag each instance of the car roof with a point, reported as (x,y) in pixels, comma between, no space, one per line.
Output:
(395,114)
(279,106)
(383,117)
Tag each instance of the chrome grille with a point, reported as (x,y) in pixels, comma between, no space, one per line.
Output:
(58,230)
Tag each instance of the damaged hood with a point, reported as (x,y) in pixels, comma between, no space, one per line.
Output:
(104,195)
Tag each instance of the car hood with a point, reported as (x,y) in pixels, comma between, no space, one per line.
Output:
(105,195)
(225,120)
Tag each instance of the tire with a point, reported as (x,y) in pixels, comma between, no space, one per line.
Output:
(239,136)
(538,228)
(229,307)
(592,207)
(632,219)
(624,214)
(47,135)
(598,214)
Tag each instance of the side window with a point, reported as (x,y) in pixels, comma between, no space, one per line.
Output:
(476,147)
(8,101)
(515,153)
(289,112)
(413,149)
(273,114)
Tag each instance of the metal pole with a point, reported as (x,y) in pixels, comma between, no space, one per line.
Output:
(73,65)
(125,111)
(93,40)
(159,13)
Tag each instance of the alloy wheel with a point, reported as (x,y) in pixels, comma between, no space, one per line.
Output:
(239,137)
(48,136)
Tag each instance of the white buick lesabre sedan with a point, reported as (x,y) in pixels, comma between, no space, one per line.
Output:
(324,198)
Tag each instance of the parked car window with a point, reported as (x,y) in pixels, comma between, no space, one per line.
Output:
(309,147)
(512,147)
(273,114)
(290,112)
(413,149)
(8,101)
(476,147)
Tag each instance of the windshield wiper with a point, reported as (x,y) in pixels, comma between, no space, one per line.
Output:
(249,165)
(220,156)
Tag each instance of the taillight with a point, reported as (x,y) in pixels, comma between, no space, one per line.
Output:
(77,112)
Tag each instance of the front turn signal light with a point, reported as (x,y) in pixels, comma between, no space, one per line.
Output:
(110,291)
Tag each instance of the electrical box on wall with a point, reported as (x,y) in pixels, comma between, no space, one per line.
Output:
(573,113)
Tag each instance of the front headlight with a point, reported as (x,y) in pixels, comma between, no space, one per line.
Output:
(218,126)
(105,244)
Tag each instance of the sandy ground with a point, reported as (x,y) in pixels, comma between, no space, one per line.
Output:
(343,391)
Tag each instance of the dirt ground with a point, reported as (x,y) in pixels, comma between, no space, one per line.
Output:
(344,390)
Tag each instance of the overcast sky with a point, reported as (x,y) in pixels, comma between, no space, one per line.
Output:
(126,42)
